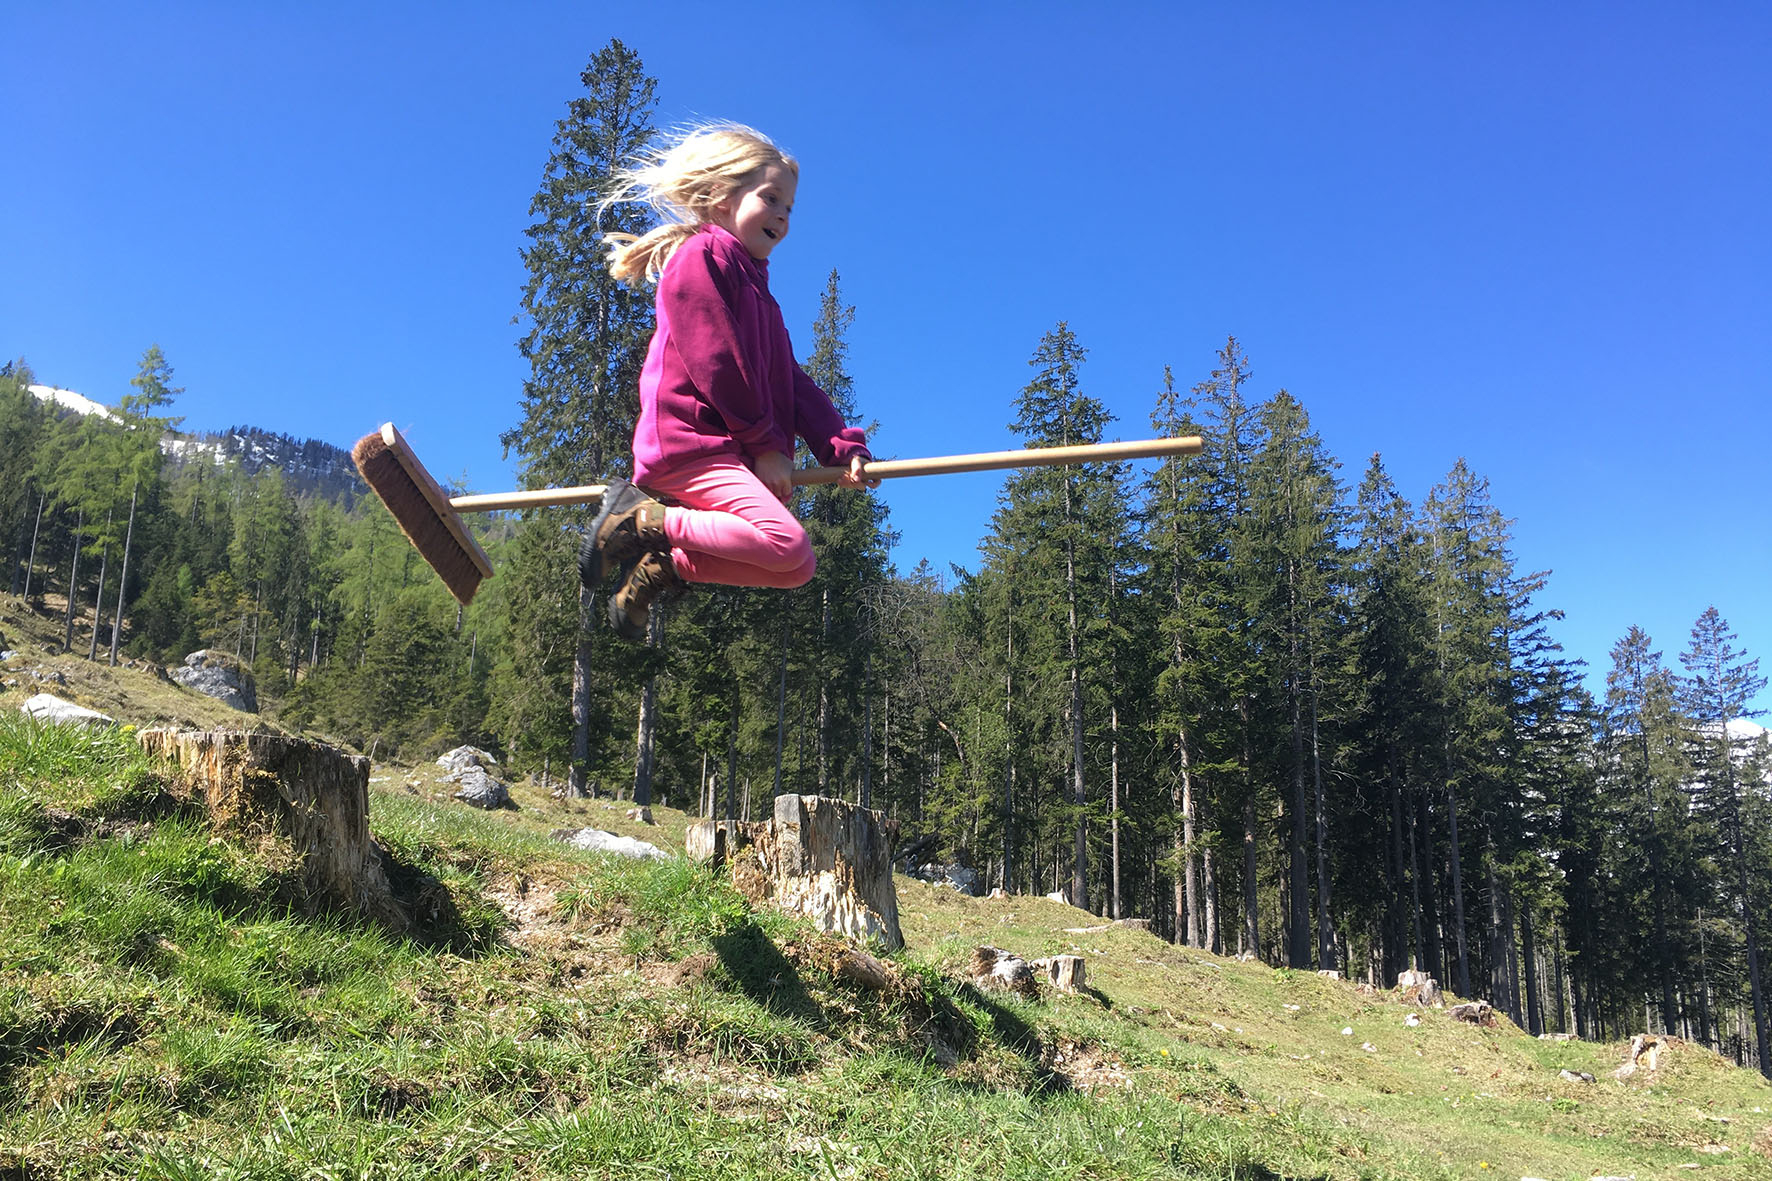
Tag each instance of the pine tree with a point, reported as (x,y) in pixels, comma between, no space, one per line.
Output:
(586,335)
(1719,685)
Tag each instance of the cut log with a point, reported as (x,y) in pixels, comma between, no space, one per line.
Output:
(831,861)
(312,797)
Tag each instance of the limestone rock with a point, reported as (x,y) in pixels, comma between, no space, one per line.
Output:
(957,877)
(454,762)
(598,841)
(220,675)
(47,707)
(992,967)
(482,790)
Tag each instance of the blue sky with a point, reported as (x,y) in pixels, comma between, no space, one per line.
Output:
(1534,236)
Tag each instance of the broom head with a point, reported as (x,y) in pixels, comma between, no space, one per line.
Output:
(421,508)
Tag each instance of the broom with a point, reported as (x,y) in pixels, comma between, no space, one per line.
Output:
(431,518)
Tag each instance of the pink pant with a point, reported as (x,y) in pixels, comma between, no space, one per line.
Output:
(729,528)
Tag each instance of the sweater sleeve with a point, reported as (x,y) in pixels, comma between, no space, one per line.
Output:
(698,297)
(818,422)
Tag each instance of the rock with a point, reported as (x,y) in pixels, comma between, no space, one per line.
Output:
(1347,1031)
(598,841)
(957,877)
(9,654)
(220,675)
(47,707)
(992,967)
(1475,1012)
(1575,1076)
(482,790)
(1412,1020)
(1369,1047)
(454,762)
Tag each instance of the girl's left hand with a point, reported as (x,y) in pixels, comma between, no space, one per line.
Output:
(855,477)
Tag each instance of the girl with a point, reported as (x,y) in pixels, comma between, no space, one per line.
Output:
(721,396)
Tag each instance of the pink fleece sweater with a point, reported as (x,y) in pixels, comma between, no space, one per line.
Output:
(720,376)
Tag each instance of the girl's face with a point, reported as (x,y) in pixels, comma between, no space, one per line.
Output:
(757,213)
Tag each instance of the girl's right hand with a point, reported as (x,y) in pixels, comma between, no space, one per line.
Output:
(776,471)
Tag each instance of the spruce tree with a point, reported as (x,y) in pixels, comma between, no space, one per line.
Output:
(1719,687)
(585,340)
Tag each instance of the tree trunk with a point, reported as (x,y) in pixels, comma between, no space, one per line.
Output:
(31,561)
(781,706)
(1464,971)
(1326,956)
(73,585)
(98,603)
(1080,858)
(824,700)
(578,770)
(645,729)
(867,731)
(1528,952)
(123,576)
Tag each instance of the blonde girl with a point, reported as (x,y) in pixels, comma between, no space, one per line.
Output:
(721,396)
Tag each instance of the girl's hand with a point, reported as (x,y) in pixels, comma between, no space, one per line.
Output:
(855,477)
(776,471)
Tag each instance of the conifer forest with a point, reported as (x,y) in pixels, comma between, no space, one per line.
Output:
(1278,711)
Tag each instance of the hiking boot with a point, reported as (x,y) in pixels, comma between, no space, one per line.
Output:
(651,579)
(628,524)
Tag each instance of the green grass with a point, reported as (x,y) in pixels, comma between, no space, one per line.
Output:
(166,1011)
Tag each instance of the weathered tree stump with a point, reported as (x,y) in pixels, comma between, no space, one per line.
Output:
(309,795)
(1063,972)
(718,841)
(1426,990)
(831,861)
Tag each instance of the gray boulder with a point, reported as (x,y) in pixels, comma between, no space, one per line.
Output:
(220,675)
(463,757)
(482,790)
(957,877)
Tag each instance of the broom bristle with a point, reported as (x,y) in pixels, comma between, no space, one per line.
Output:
(419,519)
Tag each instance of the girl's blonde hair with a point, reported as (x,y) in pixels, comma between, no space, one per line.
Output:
(684,180)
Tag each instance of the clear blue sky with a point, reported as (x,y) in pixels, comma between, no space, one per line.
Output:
(1535,236)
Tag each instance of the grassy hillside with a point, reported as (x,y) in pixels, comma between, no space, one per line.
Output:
(166,1011)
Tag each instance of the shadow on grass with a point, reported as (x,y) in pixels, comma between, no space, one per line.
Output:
(766,976)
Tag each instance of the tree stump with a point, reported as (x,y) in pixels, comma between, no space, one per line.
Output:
(1063,972)
(718,841)
(831,861)
(1425,988)
(313,797)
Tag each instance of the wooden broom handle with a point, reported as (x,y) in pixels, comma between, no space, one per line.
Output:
(877,469)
